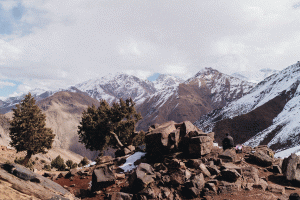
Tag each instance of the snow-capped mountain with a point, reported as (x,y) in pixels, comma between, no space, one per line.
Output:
(165,81)
(9,103)
(254,76)
(269,114)
(166,98)
(207,90)
(111,88)
(222,87)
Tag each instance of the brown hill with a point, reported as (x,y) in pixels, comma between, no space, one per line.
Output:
(63,113)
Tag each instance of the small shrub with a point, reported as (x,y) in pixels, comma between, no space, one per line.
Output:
(36,158)
(58,163)
(19,160)
(47,167)
(74,165)
(84,161)
(69,163)
(80,165)
(43,161)
(139,139)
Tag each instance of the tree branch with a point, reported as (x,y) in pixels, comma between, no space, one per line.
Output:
(117,139)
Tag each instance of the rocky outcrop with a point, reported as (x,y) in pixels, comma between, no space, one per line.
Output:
(32,184)
(290,167)
(172,137)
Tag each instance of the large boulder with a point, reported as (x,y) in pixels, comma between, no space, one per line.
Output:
(170,137)
(30,183)
(102,177)
(290,167)
(142,177)
(261,158)
(201,145)
(159,141)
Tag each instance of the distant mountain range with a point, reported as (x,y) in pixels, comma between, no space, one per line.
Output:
(268,115)
(167,98)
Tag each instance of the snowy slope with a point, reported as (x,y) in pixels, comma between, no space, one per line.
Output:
(285,128)
(10,102)
(113,87)
(221,85)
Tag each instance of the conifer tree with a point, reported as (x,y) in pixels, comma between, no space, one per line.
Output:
(27,129)
(108,125)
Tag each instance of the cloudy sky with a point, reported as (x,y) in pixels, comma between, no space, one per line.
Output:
(53,44)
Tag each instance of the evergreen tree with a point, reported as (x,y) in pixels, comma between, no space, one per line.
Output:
(27,129)
(108,125)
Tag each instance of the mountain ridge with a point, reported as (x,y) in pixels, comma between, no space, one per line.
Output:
(274,102)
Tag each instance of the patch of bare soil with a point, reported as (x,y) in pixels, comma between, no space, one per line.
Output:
(80,186)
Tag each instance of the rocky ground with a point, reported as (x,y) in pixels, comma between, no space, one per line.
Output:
(270,185)
(181,163)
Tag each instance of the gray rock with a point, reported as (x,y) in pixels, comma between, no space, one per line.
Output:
(102,177)
(250,175)
(213,169)
(261,184)
(276,189)
(261,158)
(230,175)
(142,177)
(229,155)
(204,170)
(194,186)
(226,187)
(290,167)
(27,182)
(157,140)
(201,145)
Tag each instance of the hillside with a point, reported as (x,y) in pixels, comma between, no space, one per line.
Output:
(268,114)
(63,113)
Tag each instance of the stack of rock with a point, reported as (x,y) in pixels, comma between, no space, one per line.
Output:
(171,137)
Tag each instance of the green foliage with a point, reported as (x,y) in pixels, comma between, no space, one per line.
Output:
(75,165)
(139,139)
(58,163)
(84,161)
(27,129)
(108,125)
(80,165)
(20,161)
(47,167)
(69,163)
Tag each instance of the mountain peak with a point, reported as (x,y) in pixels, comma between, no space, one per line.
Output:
(207,71)
(165,80)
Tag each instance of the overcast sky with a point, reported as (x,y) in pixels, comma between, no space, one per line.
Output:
(53,44)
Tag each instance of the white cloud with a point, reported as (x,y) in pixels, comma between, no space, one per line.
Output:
(6,84)
(60,43)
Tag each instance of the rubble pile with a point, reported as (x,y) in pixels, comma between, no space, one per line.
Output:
(183,163)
